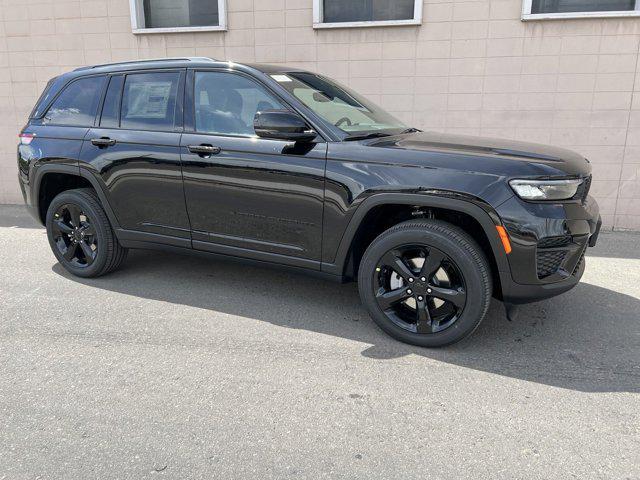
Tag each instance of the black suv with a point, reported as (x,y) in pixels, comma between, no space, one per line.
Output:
(284,166)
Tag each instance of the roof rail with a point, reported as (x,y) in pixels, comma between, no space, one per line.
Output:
(150,60)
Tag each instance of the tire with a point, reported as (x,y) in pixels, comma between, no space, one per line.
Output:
(91,228)
(462,277)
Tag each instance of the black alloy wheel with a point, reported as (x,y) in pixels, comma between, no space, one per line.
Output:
(74,235)
(419,288)
(80,234)
(425,282)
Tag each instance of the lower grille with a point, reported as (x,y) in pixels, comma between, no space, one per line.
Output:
(554,242)
(579,264)
(549,262)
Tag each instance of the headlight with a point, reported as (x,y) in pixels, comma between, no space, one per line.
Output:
(546,189)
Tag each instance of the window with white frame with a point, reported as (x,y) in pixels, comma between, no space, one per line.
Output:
(158,16)
(541,9)
(366,13)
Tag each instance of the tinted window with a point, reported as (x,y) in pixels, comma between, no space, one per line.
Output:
(45,96)
(337,104)
(367,10)
(226,103)
(180,13)
(111,106)
(149,101)
(566,6)
(77,104)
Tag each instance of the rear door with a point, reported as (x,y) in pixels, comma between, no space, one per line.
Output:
(248,196)
(135,152)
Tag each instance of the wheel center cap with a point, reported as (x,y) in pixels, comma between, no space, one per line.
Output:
(420,286)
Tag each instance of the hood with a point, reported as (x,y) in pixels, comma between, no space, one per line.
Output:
(544,159)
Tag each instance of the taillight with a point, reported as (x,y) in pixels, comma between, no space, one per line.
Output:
(26,138)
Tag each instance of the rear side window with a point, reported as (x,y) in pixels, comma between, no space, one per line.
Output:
(111,108)
(149,101)
(77,104)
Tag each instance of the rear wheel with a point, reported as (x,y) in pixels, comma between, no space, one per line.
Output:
(81,236)
(425,282)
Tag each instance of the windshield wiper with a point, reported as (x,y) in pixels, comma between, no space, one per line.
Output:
(411,130)
(366,136)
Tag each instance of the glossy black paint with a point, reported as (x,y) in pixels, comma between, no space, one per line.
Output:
(282,125)
(263,195)
(300,204)
(142,178)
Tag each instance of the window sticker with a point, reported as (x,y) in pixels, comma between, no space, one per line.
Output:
(148,100)
(281,78)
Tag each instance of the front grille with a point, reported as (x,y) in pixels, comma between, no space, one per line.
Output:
(555,242)
(548,262)
(583,190)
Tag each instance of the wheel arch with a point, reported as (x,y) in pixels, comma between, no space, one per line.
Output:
(482,214)
(50,180)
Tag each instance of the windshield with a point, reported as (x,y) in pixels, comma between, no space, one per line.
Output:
(337,104)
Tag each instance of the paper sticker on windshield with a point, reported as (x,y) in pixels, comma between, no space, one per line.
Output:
(281,78)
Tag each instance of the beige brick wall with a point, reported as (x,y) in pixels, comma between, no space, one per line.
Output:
(471,67)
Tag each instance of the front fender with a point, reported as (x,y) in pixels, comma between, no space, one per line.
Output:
(482,212)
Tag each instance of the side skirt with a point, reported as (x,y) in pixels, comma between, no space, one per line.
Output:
(181,246)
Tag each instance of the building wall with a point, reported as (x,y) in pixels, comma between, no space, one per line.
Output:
(472,67)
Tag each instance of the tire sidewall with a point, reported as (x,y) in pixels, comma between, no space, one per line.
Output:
(76,198)
(475,284)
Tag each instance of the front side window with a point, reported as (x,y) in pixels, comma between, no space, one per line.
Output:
(337,104)
(178,15)
(77,104)
(227,103)
(574,8)
(149,101)
(362,13)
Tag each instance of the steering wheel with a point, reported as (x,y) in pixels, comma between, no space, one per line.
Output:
(343,120)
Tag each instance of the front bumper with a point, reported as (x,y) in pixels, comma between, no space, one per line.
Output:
(549,241)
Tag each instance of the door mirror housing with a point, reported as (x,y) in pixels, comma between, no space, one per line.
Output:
(282,125)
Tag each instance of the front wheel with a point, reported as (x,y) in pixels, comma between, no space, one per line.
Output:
(81,236)
(425,282)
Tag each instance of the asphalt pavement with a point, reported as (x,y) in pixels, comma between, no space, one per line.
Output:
(183,367)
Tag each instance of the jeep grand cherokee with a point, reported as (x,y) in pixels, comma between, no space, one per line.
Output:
(283,166)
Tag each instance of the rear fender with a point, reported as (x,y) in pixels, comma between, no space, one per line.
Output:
(75,171)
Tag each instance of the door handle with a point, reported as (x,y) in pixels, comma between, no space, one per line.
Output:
(204,150)
(103,142)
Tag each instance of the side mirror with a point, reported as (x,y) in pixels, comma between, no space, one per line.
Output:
(282,125)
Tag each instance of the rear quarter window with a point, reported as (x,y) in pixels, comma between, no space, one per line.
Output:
(43,100)
(77,104)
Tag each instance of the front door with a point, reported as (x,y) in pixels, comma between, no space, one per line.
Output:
(248,196)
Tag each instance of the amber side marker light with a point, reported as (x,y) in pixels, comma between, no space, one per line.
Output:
(502,233)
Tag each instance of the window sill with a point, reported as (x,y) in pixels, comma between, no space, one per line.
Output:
(559,16)
(216,28)
(383,23)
